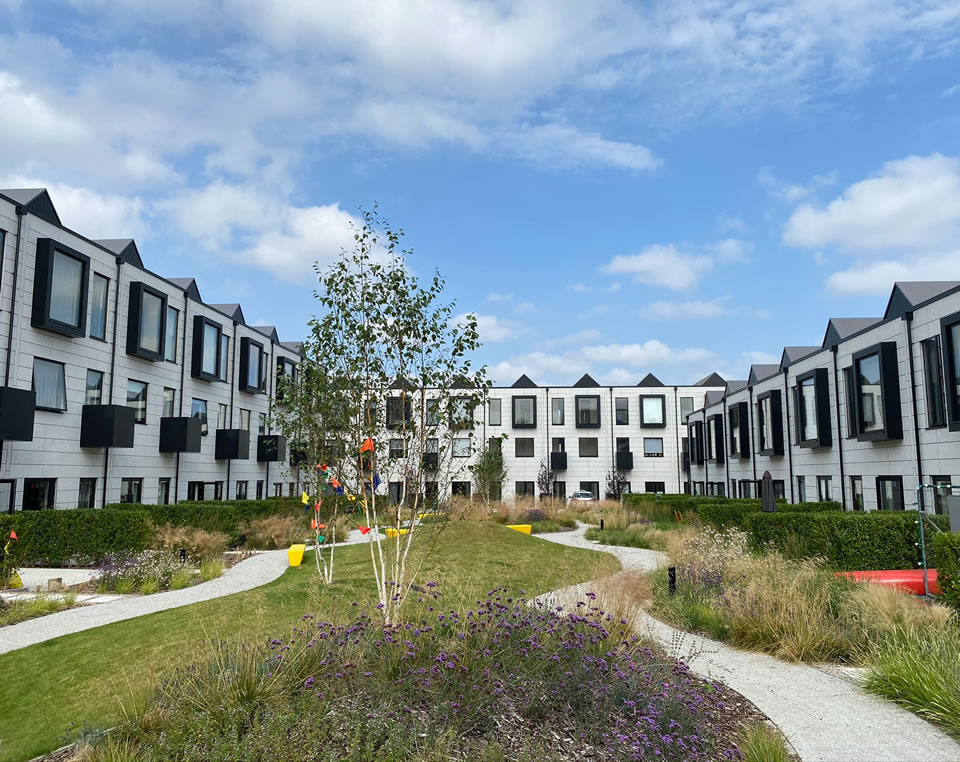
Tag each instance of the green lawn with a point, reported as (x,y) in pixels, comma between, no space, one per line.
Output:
(49,689)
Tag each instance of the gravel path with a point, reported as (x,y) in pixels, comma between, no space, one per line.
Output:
(246,575)
(826,717)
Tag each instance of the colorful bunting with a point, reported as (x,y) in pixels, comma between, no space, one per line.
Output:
(13,535)
(367,445)
(313,524)
(364,530)
(305,498)
(339,490)
(334,483)
(376,482)
(320,526)
(321,538)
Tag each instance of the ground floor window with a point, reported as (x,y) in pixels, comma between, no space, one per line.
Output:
(890,493)
(430,492)
(779,489)
(698,488)
(560,490)
(131,490)
(524,489)
(801,489)
(291,489)
(205,491)
(711,488)
(278,489)
(941,491)
(746,488)
(87,497)
(592,487)
(39,494)
(395,492)
(824,491)
(856,489)
(686,488)
(8,490)
(719,488)
(461,489)
(260,489)
(654,487)
(241,491)
(163,491)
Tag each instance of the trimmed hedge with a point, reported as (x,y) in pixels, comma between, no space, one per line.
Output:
(216,516)
(734,513)
(75,537)
(946,549)
(850,541)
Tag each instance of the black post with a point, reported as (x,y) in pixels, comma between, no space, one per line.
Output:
(601,525)
(672,580)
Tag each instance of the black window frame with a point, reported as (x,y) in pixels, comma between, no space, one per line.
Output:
(87,387)
(146,393)
(12,483)
(654,491)
(43,285)
(63,378)
(398,417)
(683,415)
(886,352)
(821,398)
(237,490)
(460,489)
(663,412)
(854,491)
(562,442)
(775,447)
(950,358)
(135,322)
(395,453)
(167,344)
(739,447)
(499,421)
(93,492)
(458,404)
(563,411)
(898,481)
(205,418)
(164,481)
(850,397)
(106,305)
(576,411)
(51,496)
(654,454)
(821,482)
(620,447)
(590,488)
(560,490)
(715,438)
(513,411)
(596,443)
(131,480)
(529,489)
(933,382)
(939,496)
(163,402)
(243,377)
(525,440)
(617,411)
(196,366)
(223,364)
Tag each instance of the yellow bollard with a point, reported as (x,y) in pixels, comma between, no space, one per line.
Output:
(391,532)
(522,528)
(295,554)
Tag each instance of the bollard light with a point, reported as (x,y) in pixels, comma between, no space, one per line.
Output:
(183,555)
(672,580)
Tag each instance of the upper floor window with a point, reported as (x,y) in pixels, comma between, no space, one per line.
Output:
(252,366)
(950,343)
(262,423)
(146,322)
(432,412)
(224,362)
(206,360)
(933,382)
(653,410)
(169,402)
(461,447)
(524,412)
(198,410)
(812,405)
(49,384)
(494,417)
(137,399)
(60,281)
(94,393)
(524,447)
(876,376)
(653,447)
(398,411)
(244,419)
(556,411)
(622,411)
(170,343)
(686,407)
(461,412)
(589,447)
(98,307)
(588,411)
(770,423)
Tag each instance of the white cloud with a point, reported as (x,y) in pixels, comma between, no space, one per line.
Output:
(661,265)
(562,145)
(650,352)
(497,296)
(701,308)
(491,328)
(794,193)
(731,250)
(879,277)
(910,203)
(946,93)
(573,339)
(729,224)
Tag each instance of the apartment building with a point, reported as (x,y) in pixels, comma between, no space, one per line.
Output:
(869,417)
(121,385)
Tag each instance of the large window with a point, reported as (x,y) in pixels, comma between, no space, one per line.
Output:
(131,490)
(654,487)
(137,399)
(556,411)
(94,393)
(146,322)
(623,444)
(592,487)
(558,444)
(206,359)
(494,418)
(395,449)
(933,382)
(524,447)
(765,424)
(870,393)
(60,289)
(170,343)
(398,411)
(252,377)
(808,409)
(950,344)
(461,413)
(98,307)
(588,411)
(241,492)
(198,410)
(877,380)
(461,447)
(890,493)
(432,412)
(87,496)
(67,289)
(169,402)
(39,494)
(524,412)
(653,410)
(49,384)
(622,411)
(589,447)
(212,353)
(812,407)
(686,407)
(525,489)
(653,447)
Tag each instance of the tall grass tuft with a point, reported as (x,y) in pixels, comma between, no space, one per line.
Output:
(761,743)
(211,569)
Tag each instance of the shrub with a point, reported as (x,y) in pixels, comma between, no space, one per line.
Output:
(946,550)
(848,540)
(76,537)
(199,543)
(733,513)
(632,537)
(211,569)
(181,578)
(274,532)
(148,566)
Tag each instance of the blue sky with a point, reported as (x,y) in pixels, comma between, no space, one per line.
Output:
(675,187)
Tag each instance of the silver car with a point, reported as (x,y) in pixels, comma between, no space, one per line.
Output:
(582,496)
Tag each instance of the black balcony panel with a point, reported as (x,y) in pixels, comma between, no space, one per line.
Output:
(17,407)
(107,426)
(181,434)
(271,448)
(624,461)
(558,461)
(232,444)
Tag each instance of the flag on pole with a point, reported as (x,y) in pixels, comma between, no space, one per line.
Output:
(376,482)
(367,445)
(364,530)
(13,535)
(305,498)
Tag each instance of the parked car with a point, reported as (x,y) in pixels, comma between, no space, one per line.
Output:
(582,496)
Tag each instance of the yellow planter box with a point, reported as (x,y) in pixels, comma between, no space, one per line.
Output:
(432,513)
(295,554)
(523,528)
(391,532)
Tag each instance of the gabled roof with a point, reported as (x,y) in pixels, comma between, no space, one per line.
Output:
(714,379)
(293,346)
(907,295)
(268,330)
(650,380)
(840,328)
(586,381)
(735,386)
(712,398)
(125,248)
(232,311)
(402,383)
(524,382)
(762,372)
(189,285)
(793,354)
(37,202)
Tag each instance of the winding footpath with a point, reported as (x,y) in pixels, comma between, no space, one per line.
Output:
(826,718)
(250,573)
